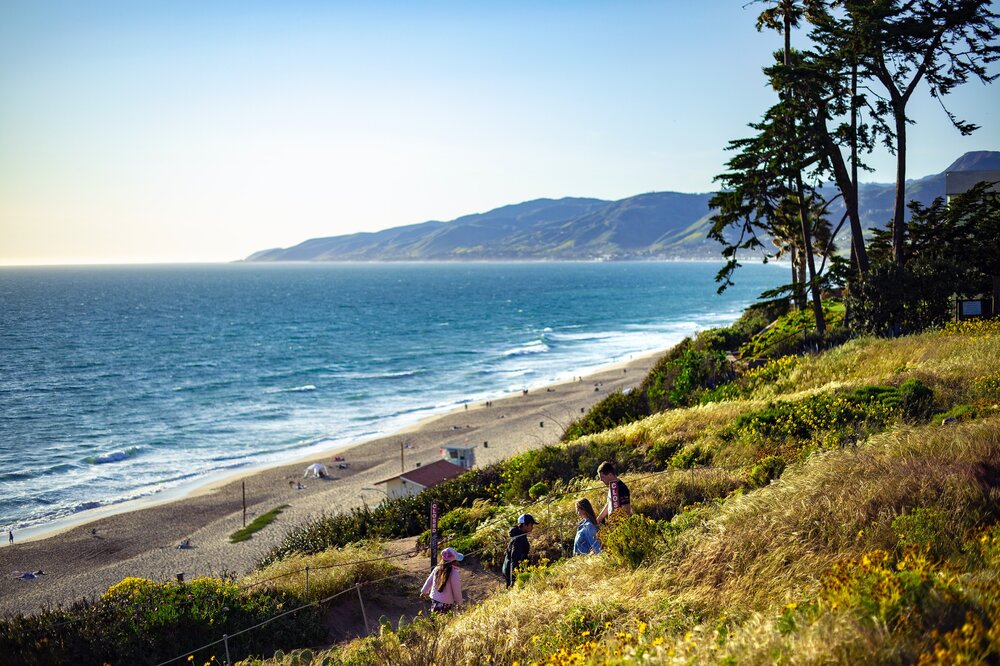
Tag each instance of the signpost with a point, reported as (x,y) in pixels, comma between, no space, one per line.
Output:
(434,535)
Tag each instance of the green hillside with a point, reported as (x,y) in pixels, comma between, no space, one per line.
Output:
(838,508)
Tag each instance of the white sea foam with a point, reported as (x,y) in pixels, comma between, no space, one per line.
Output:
(113,456)
(293,389)
(535,347)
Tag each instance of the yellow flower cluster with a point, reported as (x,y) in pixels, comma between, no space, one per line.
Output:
(973,327)
(620,647)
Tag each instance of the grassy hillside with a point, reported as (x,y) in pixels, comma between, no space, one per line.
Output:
(838,508)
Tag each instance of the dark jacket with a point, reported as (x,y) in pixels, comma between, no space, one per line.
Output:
(517,552)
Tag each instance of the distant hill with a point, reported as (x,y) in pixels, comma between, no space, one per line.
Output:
(657,225)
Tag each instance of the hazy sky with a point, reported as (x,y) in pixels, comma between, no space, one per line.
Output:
(203,131)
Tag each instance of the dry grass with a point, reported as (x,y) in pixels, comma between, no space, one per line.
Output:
(330,572)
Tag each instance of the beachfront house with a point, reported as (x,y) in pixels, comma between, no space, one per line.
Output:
(410,483)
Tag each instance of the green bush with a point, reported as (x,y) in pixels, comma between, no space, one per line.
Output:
(827,420)
(928,531)
(690,456)
(764,471)
(917,399)
(540,489)
(551,464)
(139,621)
(619,408)
(961,412)
(661,452)
(632,540)
(547,464)
(688,372)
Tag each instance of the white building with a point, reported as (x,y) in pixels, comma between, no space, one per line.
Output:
(412,482)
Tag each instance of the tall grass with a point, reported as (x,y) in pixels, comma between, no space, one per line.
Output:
(329,572)
(882,550)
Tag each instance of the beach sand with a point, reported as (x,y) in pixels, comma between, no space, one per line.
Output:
(84,560)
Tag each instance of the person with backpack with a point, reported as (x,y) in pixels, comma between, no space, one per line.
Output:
(518,546)
(444,585)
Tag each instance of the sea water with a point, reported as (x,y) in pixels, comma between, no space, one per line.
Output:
(118,383)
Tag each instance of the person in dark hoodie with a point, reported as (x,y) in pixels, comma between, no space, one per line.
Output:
(518,546)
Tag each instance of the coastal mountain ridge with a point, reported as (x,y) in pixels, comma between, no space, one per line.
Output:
(655,225)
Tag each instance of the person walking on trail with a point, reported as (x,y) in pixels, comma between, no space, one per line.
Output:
(444,585)
(586,542)
(619,496)
(518,546)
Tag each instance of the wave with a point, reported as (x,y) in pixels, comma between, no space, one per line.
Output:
(293,389)
(398,374)
(583,337)
(114,456)
(535,347)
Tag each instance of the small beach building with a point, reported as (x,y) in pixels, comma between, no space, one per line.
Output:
(463,456)
(412,482)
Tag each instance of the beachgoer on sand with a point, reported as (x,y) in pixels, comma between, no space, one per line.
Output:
(518,546)
(10,536)
(444,585)
(619,496)
(586,541)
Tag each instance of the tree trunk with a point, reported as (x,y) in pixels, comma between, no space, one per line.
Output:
(848,187)
(858,252)
(810,260)
(899,205)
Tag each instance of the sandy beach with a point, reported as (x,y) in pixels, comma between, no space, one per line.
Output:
(84,560)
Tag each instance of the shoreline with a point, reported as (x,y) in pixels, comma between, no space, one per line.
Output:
(214,480)
(140,537)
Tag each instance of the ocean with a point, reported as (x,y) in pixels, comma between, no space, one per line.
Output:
(123,382)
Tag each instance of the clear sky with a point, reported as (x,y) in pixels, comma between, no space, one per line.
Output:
(204,131)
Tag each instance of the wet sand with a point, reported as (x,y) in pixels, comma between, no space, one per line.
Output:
(84,560)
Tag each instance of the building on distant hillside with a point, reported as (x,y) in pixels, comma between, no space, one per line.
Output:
(957,182)
(410,483)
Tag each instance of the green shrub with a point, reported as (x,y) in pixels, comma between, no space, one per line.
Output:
(661,452)
(917,399)
(958,413)
(795,332)
(926,530)
(540,489)
(826,420)
(632,540)
(619,408)
(686,374)
(547,464)
(139,621)
(690,456)
(764,471)
(552,464)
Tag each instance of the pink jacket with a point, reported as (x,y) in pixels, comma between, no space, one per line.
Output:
(452,592)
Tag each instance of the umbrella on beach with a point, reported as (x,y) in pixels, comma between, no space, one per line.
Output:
(318,470)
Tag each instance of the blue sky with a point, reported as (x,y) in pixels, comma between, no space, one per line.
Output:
(203,131)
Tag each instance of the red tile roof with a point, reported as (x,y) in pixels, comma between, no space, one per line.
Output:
(430,475)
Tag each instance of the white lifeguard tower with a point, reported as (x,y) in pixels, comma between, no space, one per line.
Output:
(463,456)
